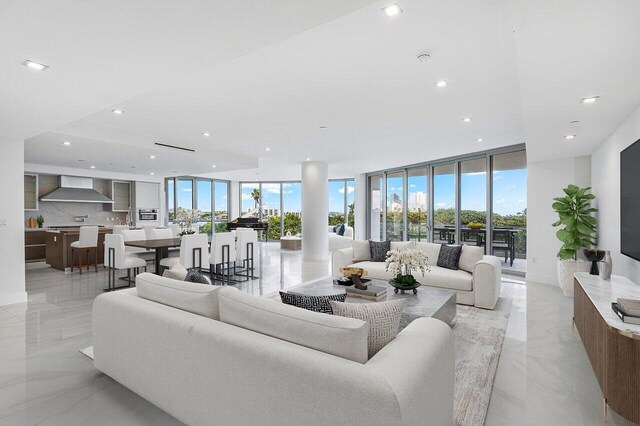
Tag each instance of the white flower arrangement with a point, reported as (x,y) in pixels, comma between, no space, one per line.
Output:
(404,263)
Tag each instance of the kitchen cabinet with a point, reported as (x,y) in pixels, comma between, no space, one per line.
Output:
(121,196)
(30,192)
(147,195)
(34,245)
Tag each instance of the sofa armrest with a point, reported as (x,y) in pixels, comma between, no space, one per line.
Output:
(348,232)
(340,259)
(487,282)
(419,365)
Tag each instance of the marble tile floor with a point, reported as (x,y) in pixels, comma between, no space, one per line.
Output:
(543,377)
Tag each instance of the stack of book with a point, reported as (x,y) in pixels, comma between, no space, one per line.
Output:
(628,310)
(373,292)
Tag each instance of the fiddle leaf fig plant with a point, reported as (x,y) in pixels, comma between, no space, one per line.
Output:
(577,224)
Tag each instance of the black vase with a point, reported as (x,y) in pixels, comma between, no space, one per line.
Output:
(594,256)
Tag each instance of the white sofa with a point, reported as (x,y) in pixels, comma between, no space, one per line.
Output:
(337,242)
(198,366)
(477,282)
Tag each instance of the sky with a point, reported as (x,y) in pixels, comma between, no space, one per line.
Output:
(292,197)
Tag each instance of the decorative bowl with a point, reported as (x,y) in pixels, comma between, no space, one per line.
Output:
(347,272)
(594,256)
(398,287)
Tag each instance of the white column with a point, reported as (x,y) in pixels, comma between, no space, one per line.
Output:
(315,210)
(12,285)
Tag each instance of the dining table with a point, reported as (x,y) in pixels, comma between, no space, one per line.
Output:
(161,247)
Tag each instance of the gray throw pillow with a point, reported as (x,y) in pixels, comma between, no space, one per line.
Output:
(311,303)
(340,230)
(449,256)
(379,250)
(383,319)
(193,276)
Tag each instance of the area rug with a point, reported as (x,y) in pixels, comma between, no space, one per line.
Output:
(479,334)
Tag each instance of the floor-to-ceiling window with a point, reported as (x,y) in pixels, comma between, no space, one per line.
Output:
(444,203)
(341,202)
(476,199)
(351,203)
(417,203)
(270,208)
(250,199)
(292,207)
(198,202)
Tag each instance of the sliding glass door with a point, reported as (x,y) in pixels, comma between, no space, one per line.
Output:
(376,199)
(395,206)
(473,201)
(417,204)
(444,203)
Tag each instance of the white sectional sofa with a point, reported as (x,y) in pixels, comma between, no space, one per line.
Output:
(215,355)
(477,282)
(337,242)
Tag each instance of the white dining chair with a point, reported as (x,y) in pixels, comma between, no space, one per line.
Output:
(175,229)
(117,229)
(223,255)
(246,245)
(116,258)
(159,234)
(87,243)
(194,252)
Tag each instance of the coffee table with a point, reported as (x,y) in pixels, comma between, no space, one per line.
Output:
(428,302)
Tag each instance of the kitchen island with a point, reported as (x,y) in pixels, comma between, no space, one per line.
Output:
(58,246)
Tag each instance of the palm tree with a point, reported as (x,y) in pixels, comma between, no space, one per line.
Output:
(255,194)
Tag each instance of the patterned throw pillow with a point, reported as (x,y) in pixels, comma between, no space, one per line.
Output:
(335,228)
(177,272)
(340,230)
(383,319)
(449,256)
(311,303)
(379,250)
(194,276)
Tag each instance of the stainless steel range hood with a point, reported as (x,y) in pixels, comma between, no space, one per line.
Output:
(74,189)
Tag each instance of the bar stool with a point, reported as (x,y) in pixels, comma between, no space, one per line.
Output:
(223,253)
(246,243)
(87,242)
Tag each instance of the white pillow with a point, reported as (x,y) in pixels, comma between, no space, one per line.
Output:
(177,272)
(431,250)
(361,251)
(469,257)
(402,245)
(343,337)
(200,299)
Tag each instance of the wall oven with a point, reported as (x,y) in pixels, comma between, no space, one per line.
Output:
(148,214)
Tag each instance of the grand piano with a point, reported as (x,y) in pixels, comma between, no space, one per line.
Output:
(250,222)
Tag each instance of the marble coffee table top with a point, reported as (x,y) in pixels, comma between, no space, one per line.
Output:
(428,302)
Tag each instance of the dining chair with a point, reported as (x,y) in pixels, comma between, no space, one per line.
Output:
(246,244)
(502,241)
(160,234)
(116,258)
(117,229)
(194,252)
(223,254)
(87,243)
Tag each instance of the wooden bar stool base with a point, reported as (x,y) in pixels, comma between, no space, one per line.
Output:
(83,251)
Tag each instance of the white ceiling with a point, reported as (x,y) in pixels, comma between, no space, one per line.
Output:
(518,68)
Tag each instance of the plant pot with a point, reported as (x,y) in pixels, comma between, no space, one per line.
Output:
(566,271)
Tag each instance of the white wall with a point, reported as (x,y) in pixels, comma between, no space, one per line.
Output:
(605,178)
(360,212)
(12,284)
(545,180)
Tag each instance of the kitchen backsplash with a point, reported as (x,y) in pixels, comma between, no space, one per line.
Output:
(58,214)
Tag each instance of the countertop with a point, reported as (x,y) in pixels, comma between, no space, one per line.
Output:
(602,293)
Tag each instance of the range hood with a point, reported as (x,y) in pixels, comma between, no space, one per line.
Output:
(74,189)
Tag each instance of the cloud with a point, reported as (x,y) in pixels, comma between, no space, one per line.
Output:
(350,189)
(495,178)
(522,201)
(501,201)
(441,204)
(186,189)
(412,185)
(272,188)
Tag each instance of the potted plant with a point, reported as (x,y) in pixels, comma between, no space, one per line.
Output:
(577,229)
(402,264)
(40,220)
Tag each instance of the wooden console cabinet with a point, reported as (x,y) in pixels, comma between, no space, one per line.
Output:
(613,346)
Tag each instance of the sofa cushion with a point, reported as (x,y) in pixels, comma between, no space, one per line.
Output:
(311,303)
(448,278)
(469,257)
(402,245)
(383,319)
(361,250)
(379,250)
(449,256)
(191,297)
(343,337)
(431,250)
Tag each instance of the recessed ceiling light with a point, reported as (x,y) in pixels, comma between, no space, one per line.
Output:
(152,156)
(35,65)
(479,140)
(466,119)
(392,10)
(117,111)
(574,122)
(423,57)
(133,167)
(81,161)
(266,148)
(92,167)
(206,134)
(151,173)
(569,137)
(174,171)
(308,159)
(323,127)
(441,83)
(66,143)
(589,99)
(213,166)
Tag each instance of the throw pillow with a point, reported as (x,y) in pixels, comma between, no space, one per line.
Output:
(379,250)
(469,257)
(449,256)
(383,319)
(335,229)
(311,303)
(340,230)
(194,276)
(361,251)
(177,272)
